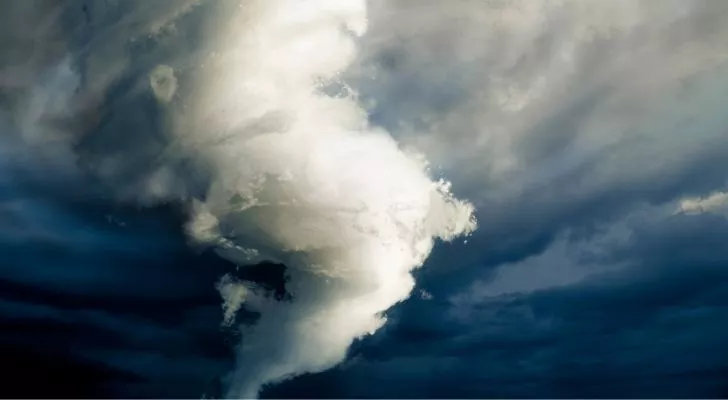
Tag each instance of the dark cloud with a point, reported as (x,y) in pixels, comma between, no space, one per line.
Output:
(652,329)
(92,308)
(101,300)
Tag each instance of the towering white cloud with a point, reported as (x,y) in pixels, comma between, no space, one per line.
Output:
(291,169)
(302,178)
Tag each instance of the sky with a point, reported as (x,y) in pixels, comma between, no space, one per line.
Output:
(363,199)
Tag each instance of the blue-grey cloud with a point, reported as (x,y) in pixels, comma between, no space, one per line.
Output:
(652,329)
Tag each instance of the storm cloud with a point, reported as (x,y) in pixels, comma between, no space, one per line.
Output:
(588,135)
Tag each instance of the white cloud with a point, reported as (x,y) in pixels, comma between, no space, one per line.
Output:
(294,175)
(337,201)
(715,203)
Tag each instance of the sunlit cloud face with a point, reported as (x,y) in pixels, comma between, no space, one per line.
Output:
(303,179)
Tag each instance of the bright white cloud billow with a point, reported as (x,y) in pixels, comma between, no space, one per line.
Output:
(302,179)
